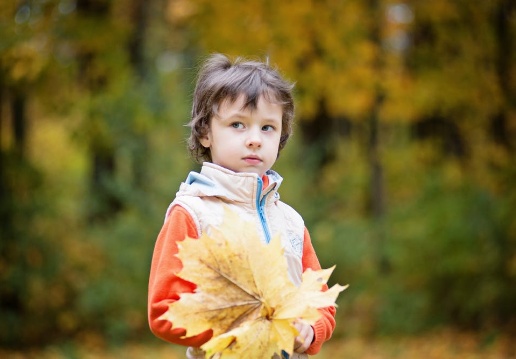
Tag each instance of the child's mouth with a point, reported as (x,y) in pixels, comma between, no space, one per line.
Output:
(253,160)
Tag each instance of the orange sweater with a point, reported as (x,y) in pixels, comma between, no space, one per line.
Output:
(165,287)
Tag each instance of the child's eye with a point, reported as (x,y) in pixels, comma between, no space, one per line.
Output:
(268,128)
(238,125)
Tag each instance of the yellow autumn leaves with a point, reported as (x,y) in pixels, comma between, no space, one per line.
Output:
(244,294)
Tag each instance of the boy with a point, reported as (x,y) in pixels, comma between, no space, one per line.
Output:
(241,118)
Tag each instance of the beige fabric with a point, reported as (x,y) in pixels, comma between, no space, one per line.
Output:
(216,188)
(237,191)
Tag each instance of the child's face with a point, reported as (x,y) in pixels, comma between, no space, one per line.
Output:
(243,140)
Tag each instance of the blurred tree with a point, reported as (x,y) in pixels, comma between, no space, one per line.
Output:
(136,49)
(333,50)
(61,59)
(389,77)
(464,63)
(406,114)
(94,37)
(23,62)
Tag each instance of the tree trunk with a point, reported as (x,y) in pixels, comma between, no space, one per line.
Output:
(318,135)
(5,210)
(504,57)
(376,183)
(503,135)
(136,48)
(137,41)
(104,202)
(19,122)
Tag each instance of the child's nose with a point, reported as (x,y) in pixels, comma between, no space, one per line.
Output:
(254,138)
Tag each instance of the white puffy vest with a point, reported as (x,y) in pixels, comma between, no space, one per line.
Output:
(205,195)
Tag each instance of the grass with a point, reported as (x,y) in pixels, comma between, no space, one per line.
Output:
(438,345)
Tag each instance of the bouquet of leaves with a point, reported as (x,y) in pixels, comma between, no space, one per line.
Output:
(244,294)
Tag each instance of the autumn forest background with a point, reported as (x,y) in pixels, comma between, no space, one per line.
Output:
(402,163)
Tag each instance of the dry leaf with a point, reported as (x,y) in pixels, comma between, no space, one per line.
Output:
(244,293)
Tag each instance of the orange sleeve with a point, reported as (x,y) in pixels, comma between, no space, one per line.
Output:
(323,328)
(164,285)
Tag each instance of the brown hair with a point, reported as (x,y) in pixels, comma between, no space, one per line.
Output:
(220,79)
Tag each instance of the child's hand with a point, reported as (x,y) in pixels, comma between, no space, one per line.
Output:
(304,338)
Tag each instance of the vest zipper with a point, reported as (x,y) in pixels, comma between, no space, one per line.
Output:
(260,205)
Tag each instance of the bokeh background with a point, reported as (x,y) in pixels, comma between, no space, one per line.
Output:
(402,164)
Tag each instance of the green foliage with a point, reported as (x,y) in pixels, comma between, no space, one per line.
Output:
(415,96)
(111,300)
(458,240)
(37,279)
(445,248)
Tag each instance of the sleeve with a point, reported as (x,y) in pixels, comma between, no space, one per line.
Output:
(164,285)
(323,328)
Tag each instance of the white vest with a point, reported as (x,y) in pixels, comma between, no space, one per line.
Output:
(205,195)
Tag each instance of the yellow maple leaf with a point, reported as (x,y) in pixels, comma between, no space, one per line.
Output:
(244,293)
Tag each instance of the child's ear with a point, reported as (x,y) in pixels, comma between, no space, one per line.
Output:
(205,141)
